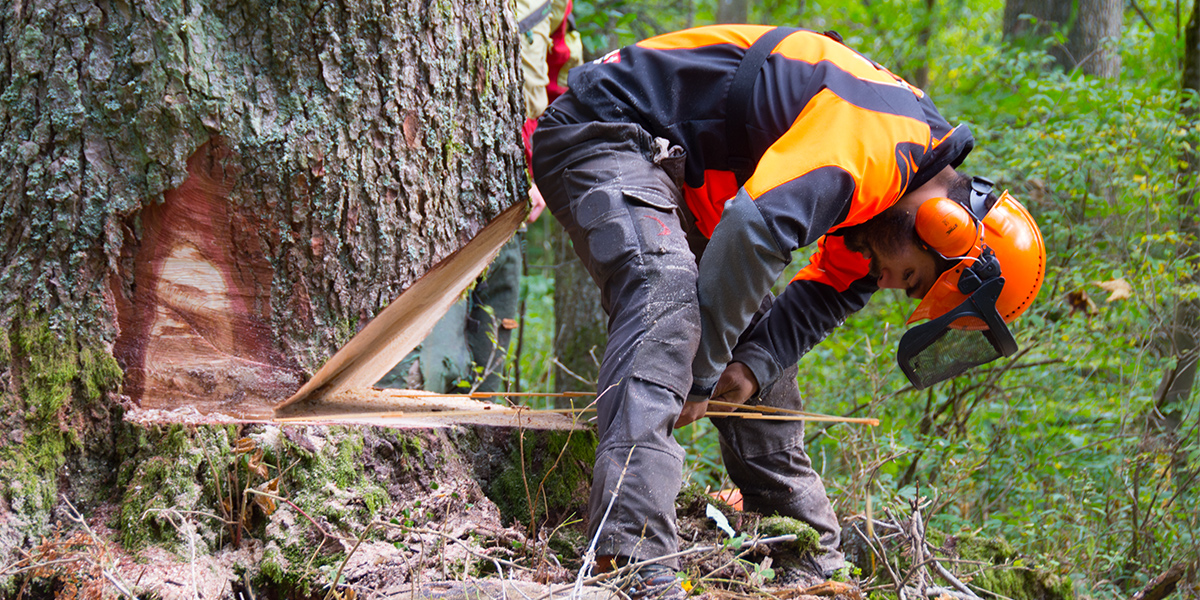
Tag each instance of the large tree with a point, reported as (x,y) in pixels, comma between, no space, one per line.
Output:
(200,201)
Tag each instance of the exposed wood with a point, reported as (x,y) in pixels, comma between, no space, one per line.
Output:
(372,352)
(404,410)
(196,329)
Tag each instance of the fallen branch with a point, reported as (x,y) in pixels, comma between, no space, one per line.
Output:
(958,585)
(1162,586)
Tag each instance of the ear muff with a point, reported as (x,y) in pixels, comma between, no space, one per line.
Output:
(946,227)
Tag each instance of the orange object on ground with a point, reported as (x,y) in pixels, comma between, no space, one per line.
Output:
(730,497)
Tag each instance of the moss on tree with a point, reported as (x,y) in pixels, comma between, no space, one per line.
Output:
(52,387)
(550,469)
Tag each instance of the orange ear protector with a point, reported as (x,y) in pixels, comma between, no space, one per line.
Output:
(949,228)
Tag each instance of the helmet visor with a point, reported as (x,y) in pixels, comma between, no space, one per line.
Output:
(940,349)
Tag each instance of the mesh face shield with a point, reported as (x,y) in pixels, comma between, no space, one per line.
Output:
(951,344)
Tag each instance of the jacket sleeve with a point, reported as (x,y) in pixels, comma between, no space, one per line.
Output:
(749,249)
(741,262)
(833,286)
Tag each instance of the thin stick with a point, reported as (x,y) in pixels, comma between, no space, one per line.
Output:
(499,410)
(518,411)
(819,418)
(419,394)
(533,394)
(589,557)
(760,408)
(788,411)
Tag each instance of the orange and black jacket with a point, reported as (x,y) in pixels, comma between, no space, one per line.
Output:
(836,139)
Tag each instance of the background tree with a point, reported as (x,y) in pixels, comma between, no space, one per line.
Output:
(1091,30)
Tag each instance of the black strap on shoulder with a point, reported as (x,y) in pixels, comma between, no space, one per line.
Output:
(535,17)
(738,101)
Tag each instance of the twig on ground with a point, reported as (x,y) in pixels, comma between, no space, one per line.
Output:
(948,576)
(477,554)
(882,558)
(338,576)
(916,532)
(589,557)
(934,591)
(74,515)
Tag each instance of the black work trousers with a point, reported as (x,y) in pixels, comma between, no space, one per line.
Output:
(617,191)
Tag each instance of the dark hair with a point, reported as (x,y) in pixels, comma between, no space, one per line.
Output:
(892,228)
(958,189)
(887,231)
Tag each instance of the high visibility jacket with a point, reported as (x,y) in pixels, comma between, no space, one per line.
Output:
(836,139)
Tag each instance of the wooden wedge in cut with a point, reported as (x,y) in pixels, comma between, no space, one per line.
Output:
(343,384)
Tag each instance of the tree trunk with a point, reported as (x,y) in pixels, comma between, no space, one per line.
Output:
(1175,388)
(924,36)
(732,11)
(1093,39)
(1091,28)
(218,194)
(1177,382)
(226,192)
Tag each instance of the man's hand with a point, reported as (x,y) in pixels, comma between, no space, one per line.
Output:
(536,203)
(692,411)
(737,384)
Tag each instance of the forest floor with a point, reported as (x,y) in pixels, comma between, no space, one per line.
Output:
(385,513)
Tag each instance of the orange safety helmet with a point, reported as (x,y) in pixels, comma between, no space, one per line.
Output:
(1007,229)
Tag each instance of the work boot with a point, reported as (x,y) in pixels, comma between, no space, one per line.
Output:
(653,582)
(800,571)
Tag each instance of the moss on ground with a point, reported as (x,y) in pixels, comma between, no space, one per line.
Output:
(329,493)
(554,472)
(170,475)
(807,539)
(1018,581)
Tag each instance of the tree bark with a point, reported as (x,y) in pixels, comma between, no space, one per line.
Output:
(225,191)
(1092,42)
(200,201)
(1175,387)
(1177,382)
